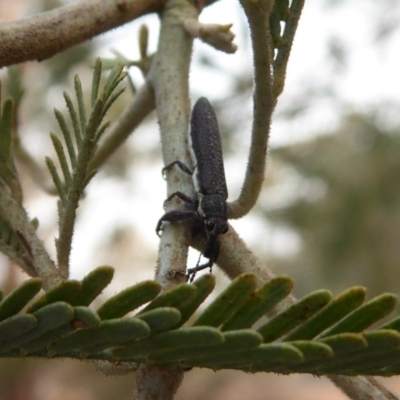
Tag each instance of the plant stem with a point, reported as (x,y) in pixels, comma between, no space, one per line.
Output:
(263,106)
(16,216)
(170,75)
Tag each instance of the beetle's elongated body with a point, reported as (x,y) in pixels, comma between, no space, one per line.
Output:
(209,208)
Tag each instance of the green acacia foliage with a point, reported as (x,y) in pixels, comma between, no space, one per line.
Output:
(318,334)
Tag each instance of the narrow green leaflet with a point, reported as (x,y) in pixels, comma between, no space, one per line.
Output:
(85,318)
(93,284)
(225,305)
(365,316)
(66,291)
(294,315)
(261,301)
(129,299)
(340,344)
(180,296)
(381,343)
(204,285)
(161,319)
(329,315)
(48,318)
(313,350)
(344,343)
(265,354)
(17,300)
(105,335)
(16,326)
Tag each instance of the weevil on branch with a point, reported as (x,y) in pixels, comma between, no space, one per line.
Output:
(209,209)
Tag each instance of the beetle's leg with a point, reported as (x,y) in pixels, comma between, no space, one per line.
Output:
(180,164)
(174,215)
(211,251)
(191,273)
(184,197)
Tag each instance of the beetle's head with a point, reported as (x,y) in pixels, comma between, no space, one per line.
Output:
(216,226)
(212,210)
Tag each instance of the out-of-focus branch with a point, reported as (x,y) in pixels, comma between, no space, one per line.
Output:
(285,46)
(19,222)
(170,78)
(362,388)
(43,35)
(157,382)
(46,34)
(257,13)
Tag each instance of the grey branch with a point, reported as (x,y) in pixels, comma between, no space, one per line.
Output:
(264,104)
(46,34)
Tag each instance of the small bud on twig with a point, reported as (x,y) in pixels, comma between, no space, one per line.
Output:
(218,36)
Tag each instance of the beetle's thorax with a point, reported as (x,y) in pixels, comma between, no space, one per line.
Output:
(212,209)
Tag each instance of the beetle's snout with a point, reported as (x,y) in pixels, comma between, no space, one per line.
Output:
(216,226)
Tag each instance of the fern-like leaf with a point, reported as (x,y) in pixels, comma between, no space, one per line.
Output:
(59,324)
(80,143)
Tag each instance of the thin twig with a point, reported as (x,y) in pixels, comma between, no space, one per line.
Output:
(42,36)
(362,388)
(263,107)
(285,47)
(46,34)
(16,216)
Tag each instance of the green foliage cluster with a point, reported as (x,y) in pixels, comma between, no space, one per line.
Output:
(17,233)
(317,334)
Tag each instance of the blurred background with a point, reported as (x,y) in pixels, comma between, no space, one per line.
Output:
(329,212)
